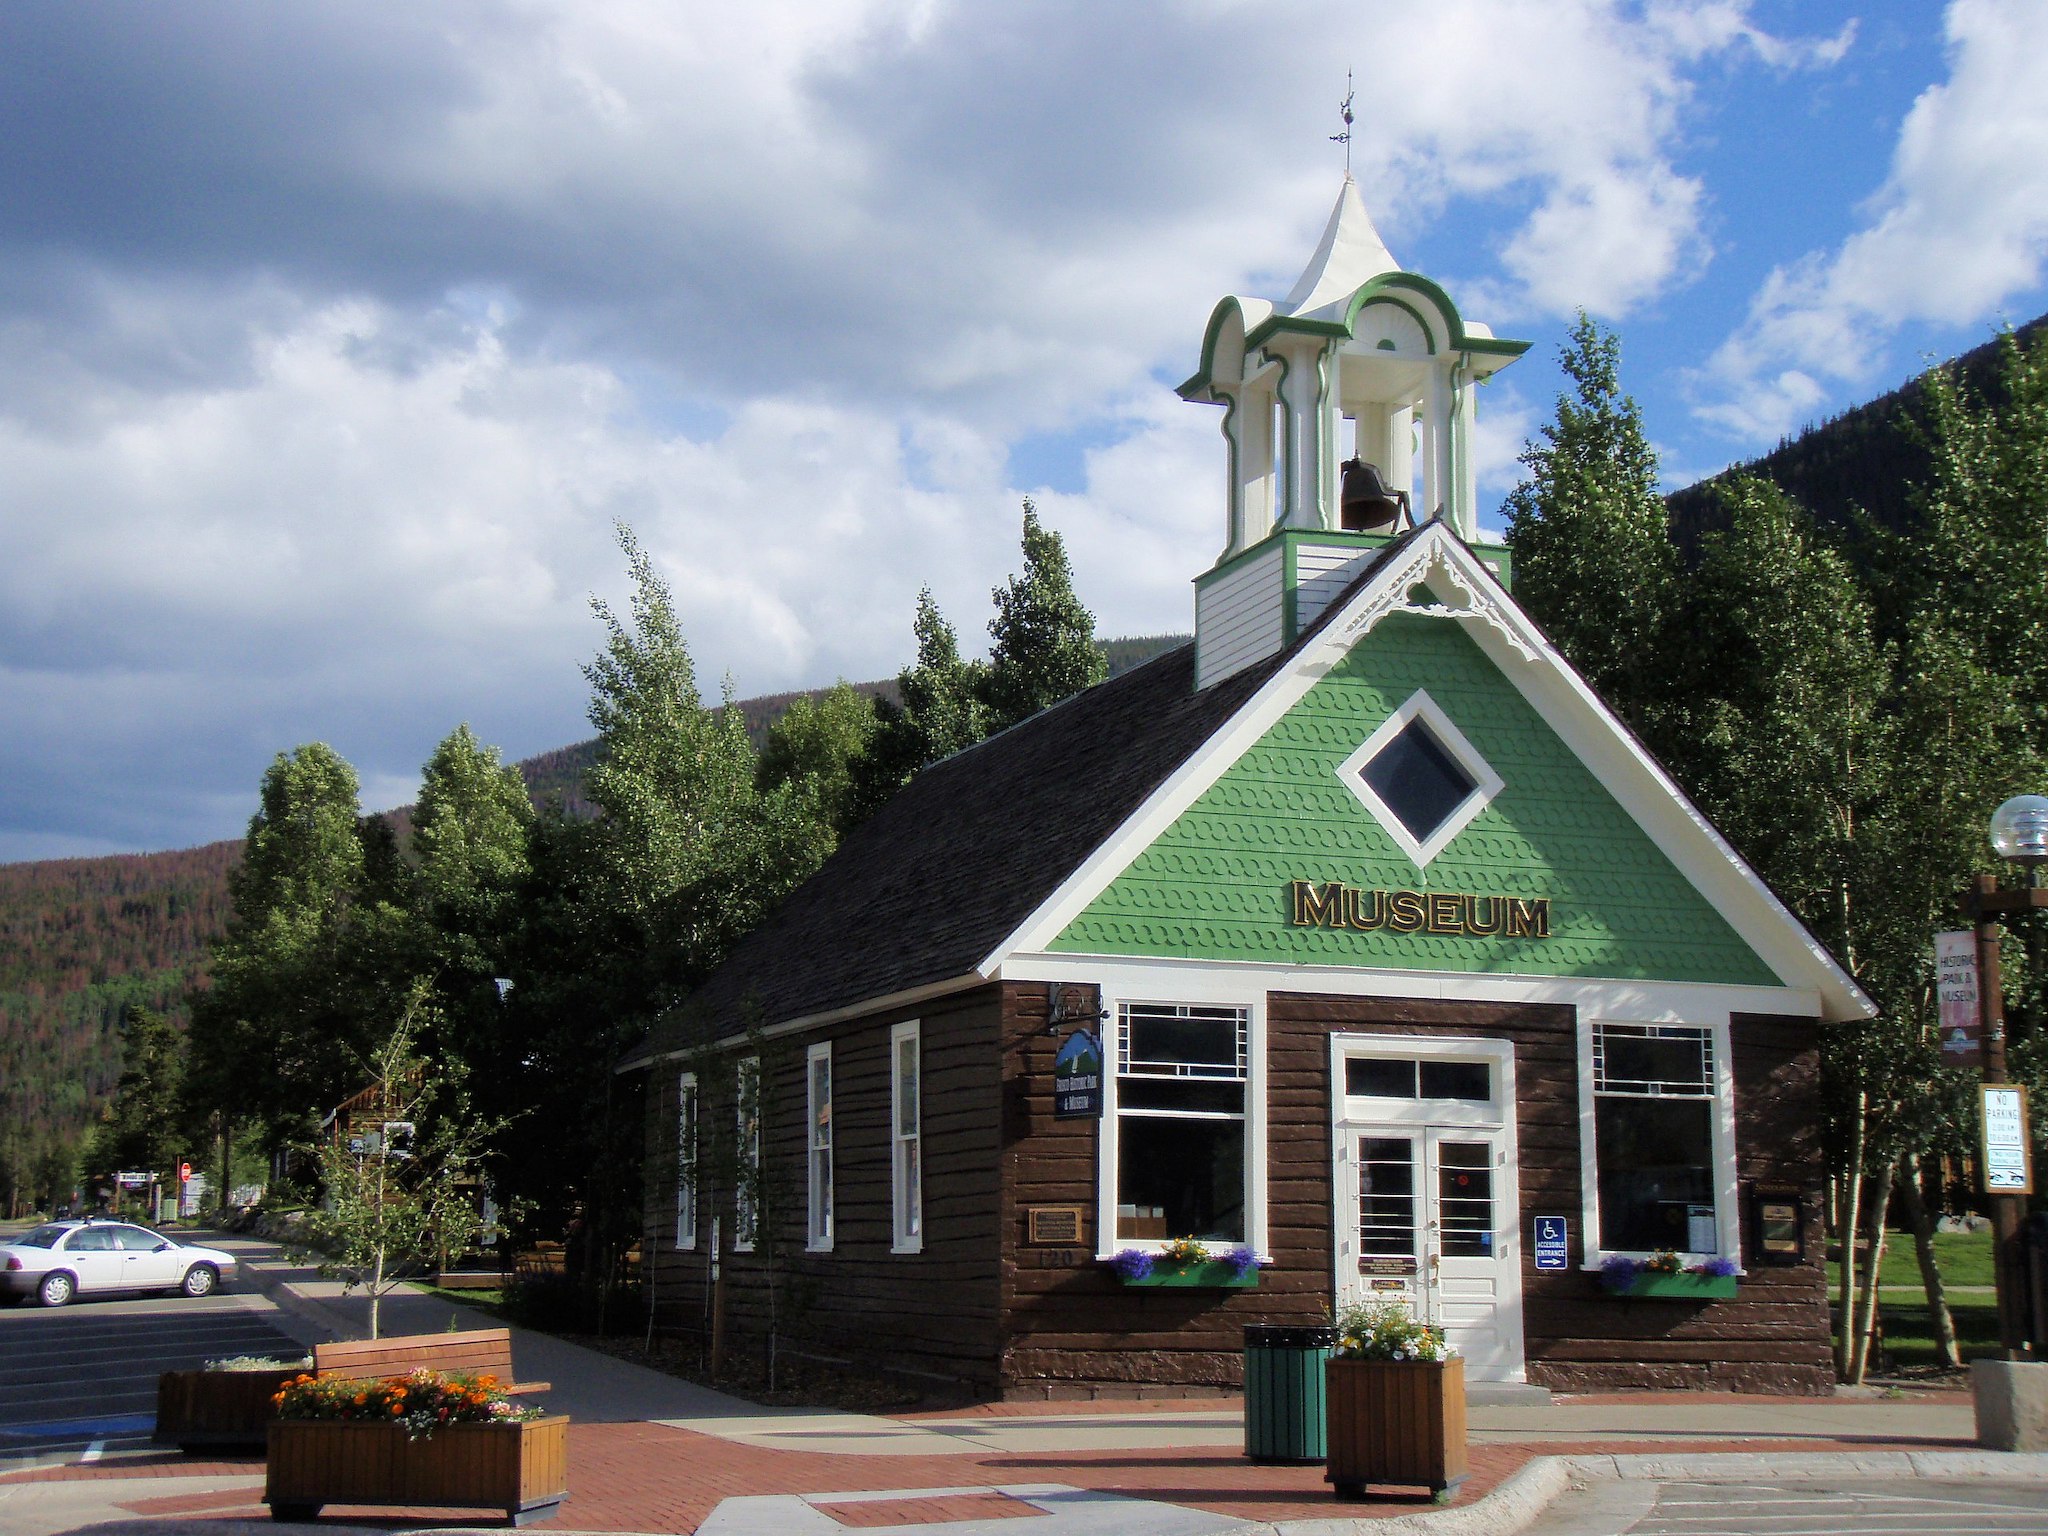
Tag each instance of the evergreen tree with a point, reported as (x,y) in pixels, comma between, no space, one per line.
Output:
(942,693)
(1045,648)
(1593,557)
(313,964)
(470,832)
(140,1126)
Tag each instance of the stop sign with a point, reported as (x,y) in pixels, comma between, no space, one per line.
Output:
(184,1172)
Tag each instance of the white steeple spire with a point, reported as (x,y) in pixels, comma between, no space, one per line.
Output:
(1350,255)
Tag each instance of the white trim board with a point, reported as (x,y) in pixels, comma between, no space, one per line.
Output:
(1465,592)
(1191,980)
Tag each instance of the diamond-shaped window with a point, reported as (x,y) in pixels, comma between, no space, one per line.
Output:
(1420,778)
(1420,782)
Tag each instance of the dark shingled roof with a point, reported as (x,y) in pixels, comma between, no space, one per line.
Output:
(966,851)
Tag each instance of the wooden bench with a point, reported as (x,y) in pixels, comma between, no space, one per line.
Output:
(480,1352)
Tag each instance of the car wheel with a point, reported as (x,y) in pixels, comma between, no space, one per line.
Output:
(200,1280)
(56,1289)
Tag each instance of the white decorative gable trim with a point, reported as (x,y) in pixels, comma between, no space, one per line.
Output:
(1453,595)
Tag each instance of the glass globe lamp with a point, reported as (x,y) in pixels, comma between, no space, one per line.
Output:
(2019,832)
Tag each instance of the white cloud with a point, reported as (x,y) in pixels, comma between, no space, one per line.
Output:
(1960,225)
(335,351)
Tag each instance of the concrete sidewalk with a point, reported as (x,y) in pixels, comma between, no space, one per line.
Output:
(653,1454)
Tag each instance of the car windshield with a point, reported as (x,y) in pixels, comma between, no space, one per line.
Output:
(40,1237)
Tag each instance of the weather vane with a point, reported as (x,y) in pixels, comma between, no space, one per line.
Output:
(1344,138)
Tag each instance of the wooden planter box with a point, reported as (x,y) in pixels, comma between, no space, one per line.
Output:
(196,1409)
(1396,1421)
(1681,1287)
(519,1468)
(1210,1274)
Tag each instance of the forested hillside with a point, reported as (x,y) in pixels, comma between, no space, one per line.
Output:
(81,940)
(1871,457)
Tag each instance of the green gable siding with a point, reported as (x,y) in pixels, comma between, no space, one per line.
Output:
(1215,885)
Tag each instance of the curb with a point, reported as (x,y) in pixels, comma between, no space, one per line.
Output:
(1521,1498)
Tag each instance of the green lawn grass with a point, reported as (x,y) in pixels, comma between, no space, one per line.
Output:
(1964,1257)
(1909,1339)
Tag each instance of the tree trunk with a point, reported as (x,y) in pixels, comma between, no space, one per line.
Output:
(1849,1211)
(1866,1322)
(227,1160)
(1922,1222)
(718,1319)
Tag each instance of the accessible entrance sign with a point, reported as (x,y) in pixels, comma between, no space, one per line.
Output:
(1553,1242)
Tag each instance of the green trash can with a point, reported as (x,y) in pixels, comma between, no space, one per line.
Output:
(1283,1392)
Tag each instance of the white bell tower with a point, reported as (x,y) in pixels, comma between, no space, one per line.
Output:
(1348,417)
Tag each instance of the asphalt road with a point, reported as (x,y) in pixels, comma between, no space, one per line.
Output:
(76,1377)
(1850,1507)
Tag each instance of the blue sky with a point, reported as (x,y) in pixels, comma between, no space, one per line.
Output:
(335,337)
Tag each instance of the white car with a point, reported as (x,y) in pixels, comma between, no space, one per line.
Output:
(62,1259)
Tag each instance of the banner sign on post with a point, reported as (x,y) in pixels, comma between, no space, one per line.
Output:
(2008,1170)
(1553,1244)
(1077,1078)
(1955,984)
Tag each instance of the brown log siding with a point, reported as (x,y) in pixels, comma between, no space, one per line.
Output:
(982,1307)
(1071,1330)
(929,1316)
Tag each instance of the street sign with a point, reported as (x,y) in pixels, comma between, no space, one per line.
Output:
(2008,1167)
(1553,1242)
(1955,984)
(135,1180)
(1077,1078)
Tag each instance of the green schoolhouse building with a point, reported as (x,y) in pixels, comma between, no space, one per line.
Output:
(1357,940)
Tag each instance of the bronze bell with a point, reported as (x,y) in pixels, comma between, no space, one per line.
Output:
(1366,505)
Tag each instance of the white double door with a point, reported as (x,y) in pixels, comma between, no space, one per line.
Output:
(1427,1214)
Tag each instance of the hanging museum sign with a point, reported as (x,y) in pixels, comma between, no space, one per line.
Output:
(2008,1170)
(1955,983)
(1077,1078)
(1333,904)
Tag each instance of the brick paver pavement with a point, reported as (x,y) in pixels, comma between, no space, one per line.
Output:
(642,1477)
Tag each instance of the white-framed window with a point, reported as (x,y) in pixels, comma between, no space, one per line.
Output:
(686,1161)
(1657,1139)
(1179,1163)
(906,1137)
(747,1150)
(818,1077)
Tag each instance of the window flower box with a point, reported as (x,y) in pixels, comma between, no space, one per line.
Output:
(518,1466)
(1661,1277)
(1204,1274)
(1186,1264)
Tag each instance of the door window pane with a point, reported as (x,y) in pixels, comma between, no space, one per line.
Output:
(1379,1077)
(1386,1197)
(1464,1191)
(1468,1080)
